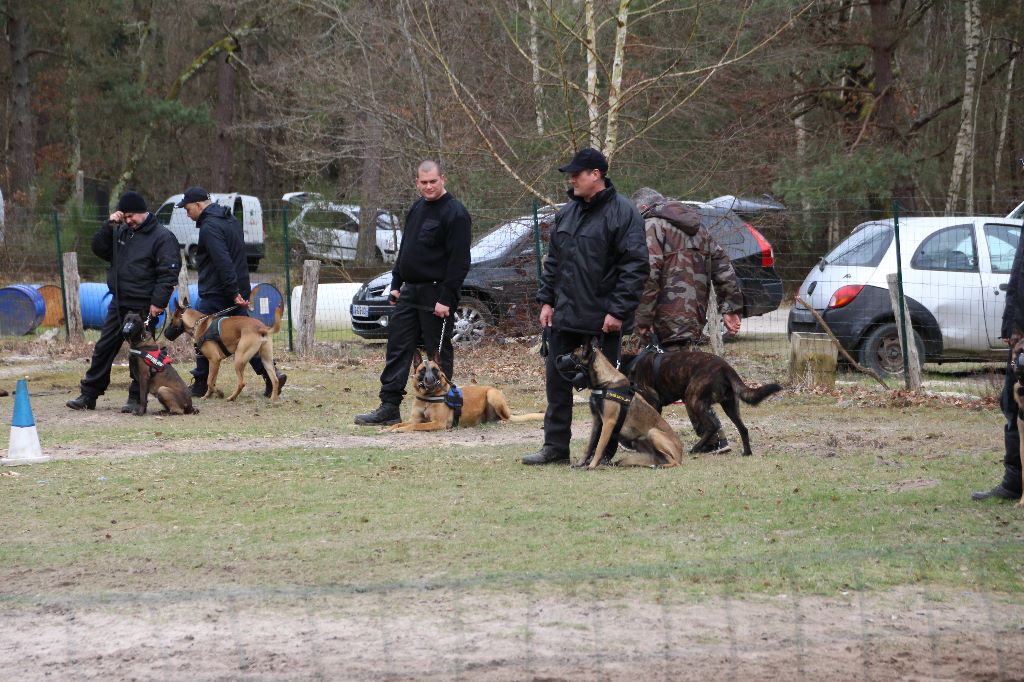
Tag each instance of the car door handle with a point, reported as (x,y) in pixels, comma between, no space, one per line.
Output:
(1004,286)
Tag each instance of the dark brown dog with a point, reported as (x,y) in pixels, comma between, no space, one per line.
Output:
(1018,395)
(243,337)
(151,367)
(641,428)
(699,380)
(434,409)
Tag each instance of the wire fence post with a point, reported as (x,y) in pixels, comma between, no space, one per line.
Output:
(902,303)
(287,277)
(60,269)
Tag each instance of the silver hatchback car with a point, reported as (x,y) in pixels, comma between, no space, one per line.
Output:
(955,271)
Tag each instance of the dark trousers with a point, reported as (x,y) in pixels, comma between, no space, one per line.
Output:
(202,369)
(558,417)
(1011,436)
(412,326)
(97,378)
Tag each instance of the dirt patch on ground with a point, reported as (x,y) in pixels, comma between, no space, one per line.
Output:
(524,633)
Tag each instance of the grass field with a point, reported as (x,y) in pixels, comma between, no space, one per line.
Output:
(289,516)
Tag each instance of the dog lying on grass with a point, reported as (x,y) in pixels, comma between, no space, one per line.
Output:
(439,405)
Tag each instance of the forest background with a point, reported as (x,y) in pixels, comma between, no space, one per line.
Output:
(831,106)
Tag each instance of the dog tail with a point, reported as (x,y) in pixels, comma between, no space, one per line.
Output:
(752,396)
(530,417)
(277,318)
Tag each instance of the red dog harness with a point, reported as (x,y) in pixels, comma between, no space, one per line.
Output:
(156,358)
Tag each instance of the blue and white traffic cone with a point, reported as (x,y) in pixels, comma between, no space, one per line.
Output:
(24,446)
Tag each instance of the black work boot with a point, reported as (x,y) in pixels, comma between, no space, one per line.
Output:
(82,402)
(546,456)
(199,387)
(385,415)
(281,378)
(1000,492)
(131,405)
(717,445)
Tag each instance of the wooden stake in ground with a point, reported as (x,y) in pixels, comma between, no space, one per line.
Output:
(307,307)
(72,282)
(913,379)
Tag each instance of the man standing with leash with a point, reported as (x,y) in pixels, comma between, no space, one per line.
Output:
(144,264)
(223,276)
(425,283)
(593,276)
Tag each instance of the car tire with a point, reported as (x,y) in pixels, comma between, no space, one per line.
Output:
(882,352)
(471,323)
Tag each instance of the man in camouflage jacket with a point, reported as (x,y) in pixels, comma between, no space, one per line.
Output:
(685,262)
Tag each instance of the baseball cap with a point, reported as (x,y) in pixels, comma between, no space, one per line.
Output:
(192,195)
(586,159)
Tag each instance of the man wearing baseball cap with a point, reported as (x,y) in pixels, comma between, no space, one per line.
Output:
(594,273)
(144,264)
(223,274)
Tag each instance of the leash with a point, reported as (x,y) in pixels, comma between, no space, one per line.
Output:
(206,317)
(441,340)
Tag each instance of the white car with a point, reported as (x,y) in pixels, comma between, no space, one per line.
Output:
(330,231)
(955,271)
(244,207)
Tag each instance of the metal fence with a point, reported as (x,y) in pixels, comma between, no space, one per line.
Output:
(953,269)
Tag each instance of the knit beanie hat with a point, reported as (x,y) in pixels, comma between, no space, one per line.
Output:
(132,202)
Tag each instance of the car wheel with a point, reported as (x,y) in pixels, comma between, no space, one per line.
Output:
(883,353)
(192,255)
(471,320)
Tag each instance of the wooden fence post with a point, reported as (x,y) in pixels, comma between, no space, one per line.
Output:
(812,359)
(913,379)
(72,282)
(307,306)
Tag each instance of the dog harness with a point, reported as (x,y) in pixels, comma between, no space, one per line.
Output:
(212,333)
(623,395)
(156,359)
(452,399)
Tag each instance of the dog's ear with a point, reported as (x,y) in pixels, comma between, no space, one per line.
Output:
(417,359)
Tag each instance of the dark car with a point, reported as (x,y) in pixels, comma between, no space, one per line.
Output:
(502,280)
(502,276)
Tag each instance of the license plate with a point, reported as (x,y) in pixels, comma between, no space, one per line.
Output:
(360,311)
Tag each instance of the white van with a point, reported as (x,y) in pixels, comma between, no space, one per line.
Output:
(245,208)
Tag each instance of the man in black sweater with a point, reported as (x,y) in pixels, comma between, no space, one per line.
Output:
(223,275)
(144,264)
(425,283)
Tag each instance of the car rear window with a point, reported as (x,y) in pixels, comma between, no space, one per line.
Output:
(864,248)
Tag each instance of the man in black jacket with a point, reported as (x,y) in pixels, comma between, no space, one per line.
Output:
(223,275)
(144,264)
(594,273)
(1012,331)
(432,263)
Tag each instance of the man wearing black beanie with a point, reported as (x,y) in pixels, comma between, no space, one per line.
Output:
(144,264)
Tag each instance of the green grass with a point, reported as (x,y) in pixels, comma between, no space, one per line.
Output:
(845,490)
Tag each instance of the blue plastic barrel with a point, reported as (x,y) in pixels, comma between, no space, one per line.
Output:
(264,300)
(22,309)
(193,298)
(94,298)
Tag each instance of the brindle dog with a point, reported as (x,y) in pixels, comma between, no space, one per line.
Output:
(642,428)
(700,380)
(1018,396)
(146,359)
(434,410)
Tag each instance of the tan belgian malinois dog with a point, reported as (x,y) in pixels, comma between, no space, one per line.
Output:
(1017,357)
(440,405)
(241,337)
(615,407)
(151,367)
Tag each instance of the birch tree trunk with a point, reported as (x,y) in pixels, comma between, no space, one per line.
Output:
(611,137)
(590,45)
(538,90)
(972,41)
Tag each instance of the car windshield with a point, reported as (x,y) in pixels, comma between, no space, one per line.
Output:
(864,248)
(497,242)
